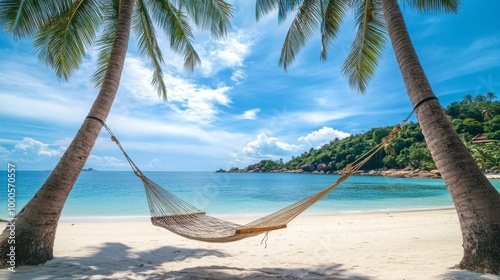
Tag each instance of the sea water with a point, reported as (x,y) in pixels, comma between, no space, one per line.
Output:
(102,194)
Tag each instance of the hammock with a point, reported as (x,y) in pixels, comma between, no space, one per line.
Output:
(172,213)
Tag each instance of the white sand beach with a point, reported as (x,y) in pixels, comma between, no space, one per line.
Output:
(403,245)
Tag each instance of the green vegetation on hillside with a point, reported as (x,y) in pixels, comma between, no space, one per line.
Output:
(470,117)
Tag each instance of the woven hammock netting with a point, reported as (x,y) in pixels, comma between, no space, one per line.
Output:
(176,215)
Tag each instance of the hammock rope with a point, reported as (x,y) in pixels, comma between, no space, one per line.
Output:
(178,216)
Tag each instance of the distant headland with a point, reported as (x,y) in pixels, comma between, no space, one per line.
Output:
(89,169)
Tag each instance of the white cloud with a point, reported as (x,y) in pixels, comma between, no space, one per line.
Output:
(238,75)
(322,136)
(157,136)
(136,79)
(229,52)
(192,102)
(29,91)
(268,147)
(29,146)
(265,147)
(136,128)
(197,103)
(249,115)
(104,161)
(31,151)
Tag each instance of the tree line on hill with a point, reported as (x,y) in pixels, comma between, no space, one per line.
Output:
(479,115)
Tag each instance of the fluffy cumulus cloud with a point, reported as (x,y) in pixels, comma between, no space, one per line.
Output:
(322,136)
(197,103)
(265,147)
(249,115)
(31,153)
(268,147)
(31,147)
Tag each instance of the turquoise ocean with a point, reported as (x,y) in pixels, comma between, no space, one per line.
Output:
(103,195)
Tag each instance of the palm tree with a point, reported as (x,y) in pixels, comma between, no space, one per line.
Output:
(468,99)
(490,96)
(486,110)
(64,31)
(476,200)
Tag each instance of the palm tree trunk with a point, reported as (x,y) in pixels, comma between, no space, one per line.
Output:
(477,202)
(35,225)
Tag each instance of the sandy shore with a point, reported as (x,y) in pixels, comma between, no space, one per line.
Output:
(406,245)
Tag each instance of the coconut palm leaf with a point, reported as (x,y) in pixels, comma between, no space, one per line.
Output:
(212,15)
(148,45)
(333,13)
(105,41)
(368,46)
(176,25)
(306,20)
(63,40)
(447,6)
(25,17)
(263,7)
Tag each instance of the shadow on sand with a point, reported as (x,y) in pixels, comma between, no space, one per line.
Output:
(117,261)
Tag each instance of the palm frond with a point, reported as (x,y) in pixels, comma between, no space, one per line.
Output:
(25,17)
(306,20)
(148,45)
(105,42)
(213,15)
(176,26)
(447,6)
(285,7)
(63,40)
(264,7)
(368,45)
(333,14)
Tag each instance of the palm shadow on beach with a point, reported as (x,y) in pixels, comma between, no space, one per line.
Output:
(115,260)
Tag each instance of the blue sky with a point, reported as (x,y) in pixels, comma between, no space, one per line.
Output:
(239,106)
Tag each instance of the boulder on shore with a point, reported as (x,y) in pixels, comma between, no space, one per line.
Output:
(321,167)
(308,167)
(251,168)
